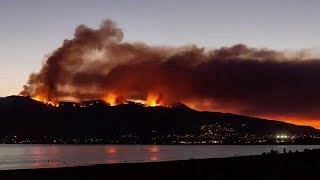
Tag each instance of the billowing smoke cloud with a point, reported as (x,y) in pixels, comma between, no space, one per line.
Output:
(239,79)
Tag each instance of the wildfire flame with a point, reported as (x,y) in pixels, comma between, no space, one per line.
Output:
(152,100)
(40,99)
(111,99)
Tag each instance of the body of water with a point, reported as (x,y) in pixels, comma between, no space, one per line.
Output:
(43,156)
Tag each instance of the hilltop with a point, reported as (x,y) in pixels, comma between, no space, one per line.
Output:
(132,122)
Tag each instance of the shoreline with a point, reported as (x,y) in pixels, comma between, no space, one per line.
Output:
(202,144)
(295,165)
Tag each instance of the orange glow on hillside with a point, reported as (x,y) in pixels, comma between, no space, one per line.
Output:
(152,100)
(43,100)
(111,99)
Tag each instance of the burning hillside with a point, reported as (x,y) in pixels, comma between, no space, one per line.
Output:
(45,101)
(110,99)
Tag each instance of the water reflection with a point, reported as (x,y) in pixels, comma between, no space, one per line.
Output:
(111,154)
(153,158)
(51,164)
(154,149)
(49,150)
(110,149)
(44,156)
(39,156)
(153,153)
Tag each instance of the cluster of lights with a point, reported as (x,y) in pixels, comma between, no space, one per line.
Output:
(282,136)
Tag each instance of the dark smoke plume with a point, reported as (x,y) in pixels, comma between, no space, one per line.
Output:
(240,79)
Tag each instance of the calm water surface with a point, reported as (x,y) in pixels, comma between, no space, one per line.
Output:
(40,156)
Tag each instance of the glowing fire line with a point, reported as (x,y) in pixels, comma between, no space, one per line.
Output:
(39,99)
(152,100)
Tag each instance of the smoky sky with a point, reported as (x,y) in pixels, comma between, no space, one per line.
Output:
(237,79)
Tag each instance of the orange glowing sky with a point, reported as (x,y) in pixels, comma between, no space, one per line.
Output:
(298,121)
(289,119)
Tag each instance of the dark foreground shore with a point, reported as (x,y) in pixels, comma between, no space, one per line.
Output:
(303,165)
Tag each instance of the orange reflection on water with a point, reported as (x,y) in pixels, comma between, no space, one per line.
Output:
(153,149)
(36,150)
(153,158)
(51,152)
(154,153)
(110,150)
(112,155)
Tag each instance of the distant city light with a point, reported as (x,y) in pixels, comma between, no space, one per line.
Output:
(282,136)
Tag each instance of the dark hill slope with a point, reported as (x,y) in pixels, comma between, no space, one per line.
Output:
(25,117)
